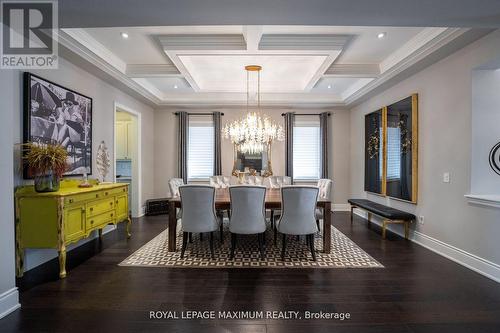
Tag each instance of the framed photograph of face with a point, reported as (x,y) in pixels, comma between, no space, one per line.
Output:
(54,114)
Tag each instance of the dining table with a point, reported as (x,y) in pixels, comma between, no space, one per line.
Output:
(223,202)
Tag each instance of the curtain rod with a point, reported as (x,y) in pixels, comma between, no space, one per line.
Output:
(198,113)
(305,114)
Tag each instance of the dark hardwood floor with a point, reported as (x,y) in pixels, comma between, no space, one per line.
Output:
(417,291)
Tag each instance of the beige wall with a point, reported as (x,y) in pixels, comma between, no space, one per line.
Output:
(444,146)
(166,147)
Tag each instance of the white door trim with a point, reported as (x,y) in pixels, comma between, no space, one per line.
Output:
(138,183)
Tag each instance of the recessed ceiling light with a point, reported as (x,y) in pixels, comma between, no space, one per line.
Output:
(329,86)
(124,35)
(175,86)
(381,35)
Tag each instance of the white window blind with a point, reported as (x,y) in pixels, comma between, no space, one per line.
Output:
(200,147)
(393,153)
(306,148)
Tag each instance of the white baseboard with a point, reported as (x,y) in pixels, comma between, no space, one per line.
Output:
(341,207)
(9,302)
(464,258)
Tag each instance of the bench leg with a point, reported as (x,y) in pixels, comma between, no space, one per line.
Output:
(384,227)
(407,229)
(369,217)
(352,213)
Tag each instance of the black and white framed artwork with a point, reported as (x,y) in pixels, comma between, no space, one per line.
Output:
(57,115)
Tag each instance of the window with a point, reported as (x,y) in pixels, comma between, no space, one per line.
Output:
(200,147)
(306,148)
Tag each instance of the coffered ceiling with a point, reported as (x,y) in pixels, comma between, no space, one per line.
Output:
(323,65)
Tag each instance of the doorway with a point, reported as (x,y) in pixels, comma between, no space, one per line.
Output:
(127,154)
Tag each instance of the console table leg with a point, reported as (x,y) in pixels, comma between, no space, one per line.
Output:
(19,261)
(129,223)
(62,262)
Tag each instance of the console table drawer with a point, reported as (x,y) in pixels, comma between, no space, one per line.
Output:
(101,206)
(99,220)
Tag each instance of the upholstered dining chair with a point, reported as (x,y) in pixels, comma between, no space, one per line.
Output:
(325,188)
(198,213)
(276,182)
(220,181)
(279,181)
(298,204)
(254,180)
(247,214)
(173,185)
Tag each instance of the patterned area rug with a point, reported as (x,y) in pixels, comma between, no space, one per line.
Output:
(344,254)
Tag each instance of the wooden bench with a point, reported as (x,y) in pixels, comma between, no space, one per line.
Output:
(389,214)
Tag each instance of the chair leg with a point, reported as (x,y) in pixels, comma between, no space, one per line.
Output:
(212,253)
(184,243)
(190,237)
(311,246)
(233,245)
(221,230)
(275,229)
(201,237)
(261,246)
(283,248)
(317,224)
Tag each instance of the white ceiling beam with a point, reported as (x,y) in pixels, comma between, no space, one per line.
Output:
(202,42)
(353,70)
(321,42)
(252,34)
(152,70)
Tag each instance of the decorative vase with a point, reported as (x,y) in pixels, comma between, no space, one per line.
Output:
(47,183)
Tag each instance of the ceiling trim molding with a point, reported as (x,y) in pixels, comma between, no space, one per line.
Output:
(202,42)
(427,35)
(353,70)
(321,42)
(419,53)
(152,70)
(94,46)
(81,49)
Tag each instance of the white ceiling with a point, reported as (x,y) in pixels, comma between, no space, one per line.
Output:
(301,64)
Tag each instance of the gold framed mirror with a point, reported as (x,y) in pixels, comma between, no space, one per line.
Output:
(253,164)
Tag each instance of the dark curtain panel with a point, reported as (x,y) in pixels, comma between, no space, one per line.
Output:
(217,142)
(182,139)
(323,121)
(289,121)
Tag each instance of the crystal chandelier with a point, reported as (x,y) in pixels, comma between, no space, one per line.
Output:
(255,131)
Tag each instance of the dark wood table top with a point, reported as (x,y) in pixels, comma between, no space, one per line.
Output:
(273,196)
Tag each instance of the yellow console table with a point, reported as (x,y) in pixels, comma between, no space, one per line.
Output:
(56,219)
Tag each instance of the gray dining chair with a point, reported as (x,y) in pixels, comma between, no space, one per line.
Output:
(248,215)
(198,213)
(298,204)
(325,189)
